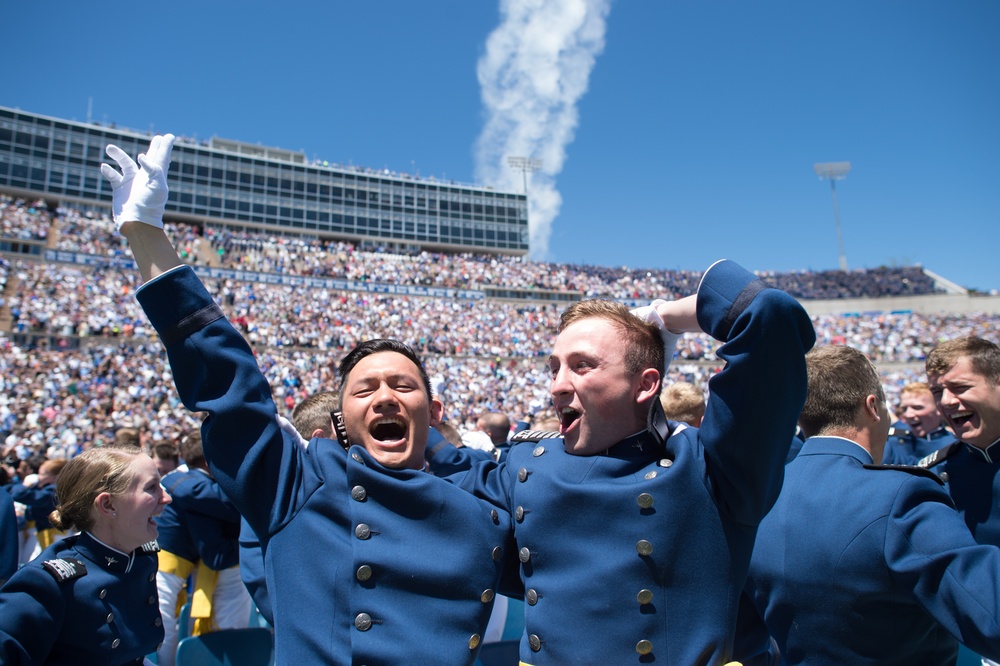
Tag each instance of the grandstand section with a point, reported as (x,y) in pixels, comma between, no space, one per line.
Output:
(242,186)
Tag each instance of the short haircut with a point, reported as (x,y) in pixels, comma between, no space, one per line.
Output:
(840,380)
(314,413)
(95,471)
(191,449)
(53,467)
(450,433)
(916,388)
(165,451)
(683,401)
(983,355)
(496,425)
(377,346)
(125,437)
(643,342)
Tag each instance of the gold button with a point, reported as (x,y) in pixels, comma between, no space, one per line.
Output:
(497,554)
(495,516)
(645,597)
(539,450)
(666,462)
(487,596)
(534,642)
(524,554)
(651,475)
(363,573)
(522,475)
(645,500)
(362,531)
(363,622)
(474,640)
(110,618)
(643,647)
(531,596)
(644,547)
(359,493)
(519,513)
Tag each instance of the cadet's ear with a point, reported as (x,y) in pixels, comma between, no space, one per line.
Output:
(873,408)
(648,385)
(437,410)
(105,506)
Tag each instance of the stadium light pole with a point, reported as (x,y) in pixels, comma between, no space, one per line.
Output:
(834,171)
(524,165)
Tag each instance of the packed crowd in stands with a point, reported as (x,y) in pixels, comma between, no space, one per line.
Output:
(482,355)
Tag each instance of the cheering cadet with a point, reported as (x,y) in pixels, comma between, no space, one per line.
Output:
(367,558)
(860,563)
(91,598)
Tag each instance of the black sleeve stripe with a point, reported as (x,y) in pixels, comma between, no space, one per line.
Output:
(195,322)
(741,303)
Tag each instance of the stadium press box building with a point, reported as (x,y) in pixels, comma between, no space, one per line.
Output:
(246,186)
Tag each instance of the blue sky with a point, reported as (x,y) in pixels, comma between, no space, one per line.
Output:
(671,133)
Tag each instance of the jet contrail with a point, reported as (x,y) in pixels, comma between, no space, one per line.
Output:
(532,74)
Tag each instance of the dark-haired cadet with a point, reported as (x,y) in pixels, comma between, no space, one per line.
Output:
(369,560)
(91,598)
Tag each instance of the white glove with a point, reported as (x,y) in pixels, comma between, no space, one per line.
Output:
(140,195)
(649,314)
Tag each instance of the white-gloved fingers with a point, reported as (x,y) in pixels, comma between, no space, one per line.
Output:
(649,314)
(113,176)
(148,196)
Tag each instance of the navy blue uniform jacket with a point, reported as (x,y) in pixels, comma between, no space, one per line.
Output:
(640,555)
(80,602)
(364,565)
(973,480)
(870,566)
(200,523)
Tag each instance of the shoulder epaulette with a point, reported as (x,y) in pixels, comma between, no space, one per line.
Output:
(534,436)
(901,433)
(65,569)
(150,547)
(910,469)
(939,456)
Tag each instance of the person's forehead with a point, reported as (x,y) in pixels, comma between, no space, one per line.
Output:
(960,371)
(386,363)
(589,332)
(917,397)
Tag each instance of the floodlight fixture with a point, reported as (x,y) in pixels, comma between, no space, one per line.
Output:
(525,165)
(834,171)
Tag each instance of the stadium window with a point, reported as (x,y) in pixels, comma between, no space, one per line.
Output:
(202,171)
(42,142)
(185,198)
(200,200)
(7,136)
(244,207)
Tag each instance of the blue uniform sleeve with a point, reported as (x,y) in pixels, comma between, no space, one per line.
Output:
(32,611)
(216,372)
(8,537)
(929,549)
(754,402)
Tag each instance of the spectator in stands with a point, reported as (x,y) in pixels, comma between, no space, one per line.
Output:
(9,533)
(322,502)
(128,437)
(39,499)
(82,601)
(683,401)
(893,576)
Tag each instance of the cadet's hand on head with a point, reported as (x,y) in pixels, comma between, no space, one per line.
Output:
(140,191)
(649,313)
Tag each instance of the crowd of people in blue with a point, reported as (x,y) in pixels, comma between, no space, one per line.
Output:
(285,450)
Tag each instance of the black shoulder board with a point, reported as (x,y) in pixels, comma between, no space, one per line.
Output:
(65,569)
(939,456)
(150,547)
(534,436)
(911,469)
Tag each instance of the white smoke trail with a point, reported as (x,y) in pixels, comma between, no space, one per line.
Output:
(532,74)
